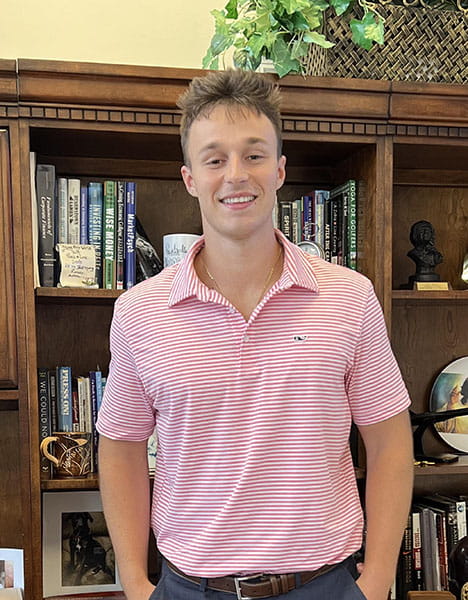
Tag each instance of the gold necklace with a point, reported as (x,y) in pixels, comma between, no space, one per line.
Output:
(267,283)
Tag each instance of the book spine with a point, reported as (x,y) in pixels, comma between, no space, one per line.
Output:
(45,193)
(418,583)
(62,210)
(334,229)
(296,220)
(343,237)
(95,220)
(84,233)
(130,234)
(120,237)
(75,407)
(64,399)
(73,211)
(94,413)
(327,229)
(53,400)
(352,225)
(320,201)
(308,218)
(44,416)
(404,570)
(285,216)
(109,235)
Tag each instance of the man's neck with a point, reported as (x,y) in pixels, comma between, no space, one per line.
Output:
(240,271)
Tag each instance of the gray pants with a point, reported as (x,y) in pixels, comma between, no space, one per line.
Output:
(337,584)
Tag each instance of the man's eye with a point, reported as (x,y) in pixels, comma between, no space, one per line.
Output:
(214,161)
(254,157)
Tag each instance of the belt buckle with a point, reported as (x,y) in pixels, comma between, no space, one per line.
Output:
(237,583)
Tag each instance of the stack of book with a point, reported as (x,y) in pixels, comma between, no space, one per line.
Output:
(68,403)
(100,214)
(435,526)
(327,217)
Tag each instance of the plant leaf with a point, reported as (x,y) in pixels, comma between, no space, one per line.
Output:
(210,61)
(291,6)
(231,9)
(367,30)
(340,6)
(282,60)
(314,37)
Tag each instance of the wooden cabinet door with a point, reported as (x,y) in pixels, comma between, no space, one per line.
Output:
(8,358)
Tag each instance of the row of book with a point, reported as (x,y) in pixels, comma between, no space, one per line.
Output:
(436,524)
(68,403)
(327,217)
(99,214)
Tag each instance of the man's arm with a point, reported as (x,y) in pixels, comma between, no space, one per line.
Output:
(124,485)
(389,483)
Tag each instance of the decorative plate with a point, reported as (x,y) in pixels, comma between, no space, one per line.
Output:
(450,392)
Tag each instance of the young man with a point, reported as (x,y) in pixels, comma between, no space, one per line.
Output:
(251,358)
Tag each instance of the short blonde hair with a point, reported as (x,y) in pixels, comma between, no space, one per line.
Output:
(235,89)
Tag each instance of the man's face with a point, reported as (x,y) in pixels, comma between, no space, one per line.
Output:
(234,172)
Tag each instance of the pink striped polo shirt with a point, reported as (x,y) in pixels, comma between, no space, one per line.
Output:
(254,472)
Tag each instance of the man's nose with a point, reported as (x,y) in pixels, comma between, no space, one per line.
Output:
(236,169)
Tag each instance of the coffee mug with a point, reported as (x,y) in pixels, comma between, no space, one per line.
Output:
(176,246)
(71,453)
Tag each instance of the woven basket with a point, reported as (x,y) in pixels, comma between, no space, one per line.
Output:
(421,44)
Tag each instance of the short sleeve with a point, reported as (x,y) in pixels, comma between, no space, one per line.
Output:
(126,412)
(376,390)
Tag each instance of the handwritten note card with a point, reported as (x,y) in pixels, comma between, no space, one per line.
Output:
(77,265)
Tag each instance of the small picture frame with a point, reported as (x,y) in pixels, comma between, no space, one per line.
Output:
(11,568)
(78,556)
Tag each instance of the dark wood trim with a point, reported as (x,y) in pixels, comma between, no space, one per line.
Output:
(8,81)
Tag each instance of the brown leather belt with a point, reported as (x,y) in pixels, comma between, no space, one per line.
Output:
(263,586)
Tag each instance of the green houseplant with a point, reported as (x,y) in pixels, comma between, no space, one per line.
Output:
(282,31)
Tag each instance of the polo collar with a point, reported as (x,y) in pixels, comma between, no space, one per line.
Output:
(297,270)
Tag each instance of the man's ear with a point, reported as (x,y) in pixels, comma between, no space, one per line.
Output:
(189,181)
(281,176)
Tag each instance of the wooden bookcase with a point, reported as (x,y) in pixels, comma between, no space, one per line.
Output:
(406,143)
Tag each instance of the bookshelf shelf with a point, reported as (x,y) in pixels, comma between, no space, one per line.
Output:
(82,483)
(75,295)
(458,468)
(418,297)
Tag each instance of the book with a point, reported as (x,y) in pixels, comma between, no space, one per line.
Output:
(62,210)
(130,235)
(95,220)
(417,579)
(44,416)
(120,237)
(84,229)
(352,225)
(296,220)
(308,217)
(45,194)
(108,251)
(320,200)
(285,218)
(64,399)
(404,566)
(74,192)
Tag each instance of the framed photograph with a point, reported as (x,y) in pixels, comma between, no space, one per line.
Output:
(450,392)
(77,551)
(11,568)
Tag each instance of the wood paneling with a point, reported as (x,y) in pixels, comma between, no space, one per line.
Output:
(8,350)
(11,514)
